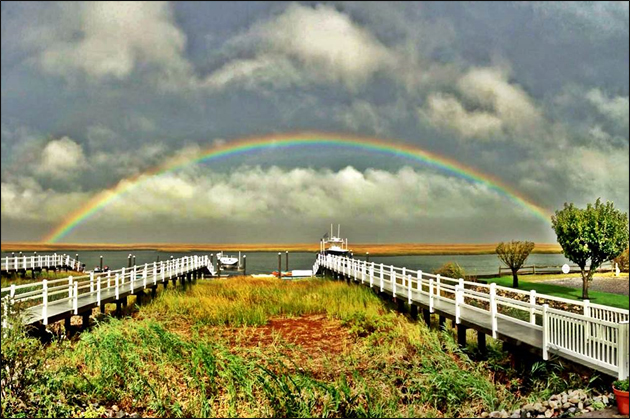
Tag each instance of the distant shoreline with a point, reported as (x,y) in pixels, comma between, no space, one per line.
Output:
(389,249)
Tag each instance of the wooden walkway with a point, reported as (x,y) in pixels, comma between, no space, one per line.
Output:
(36,263)
(50,301)
(593,335)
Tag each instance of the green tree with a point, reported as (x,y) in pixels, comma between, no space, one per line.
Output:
(514,254)
(591,236)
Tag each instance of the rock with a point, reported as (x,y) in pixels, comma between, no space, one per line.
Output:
(590,408)
(514,416)
(135,415)
(538,407)
(605,399)
(528,415)
(580,405)
(115,408)
(554,397)
(528,407)
(565,398)
(553,404)
(120,414)
(495,414)
(574,400)
(484,414)
(566,405)
(571,410)
(545,403)
(517,412)
(504,414)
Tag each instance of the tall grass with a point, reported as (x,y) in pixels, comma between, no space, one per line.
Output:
(187,354)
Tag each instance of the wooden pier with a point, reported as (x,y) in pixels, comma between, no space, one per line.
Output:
(592,335)
(37,263)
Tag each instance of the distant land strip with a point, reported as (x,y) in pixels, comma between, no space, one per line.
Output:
(390,249)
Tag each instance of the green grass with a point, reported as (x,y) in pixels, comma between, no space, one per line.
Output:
(204,352)
(604,298)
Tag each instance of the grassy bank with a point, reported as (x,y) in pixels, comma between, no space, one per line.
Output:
(391,249)
(264,348)
(605,298)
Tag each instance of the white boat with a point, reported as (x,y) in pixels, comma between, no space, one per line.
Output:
(227,261)
(334,245)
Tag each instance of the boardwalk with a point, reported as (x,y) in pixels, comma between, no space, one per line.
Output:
(590,334)
(38,263)
(50,301)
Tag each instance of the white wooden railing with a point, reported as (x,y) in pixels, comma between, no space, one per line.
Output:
(15,263)
(43,294)
(593,333)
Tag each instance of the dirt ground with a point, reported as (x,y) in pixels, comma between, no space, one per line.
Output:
(607,284)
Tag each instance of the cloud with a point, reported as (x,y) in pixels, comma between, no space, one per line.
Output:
(489,107)
(616,109)
(256,195)
(599,18)
(304,45)
(109,40)
(62,159)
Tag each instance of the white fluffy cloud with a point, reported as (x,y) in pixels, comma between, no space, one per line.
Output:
(110,39)
(62,159)
(304,44)
(489,107)
(255,195)
(616,109)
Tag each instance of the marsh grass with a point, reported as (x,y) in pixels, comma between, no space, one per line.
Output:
(234,347)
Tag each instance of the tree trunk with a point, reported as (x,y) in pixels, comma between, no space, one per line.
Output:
(514,278)
(584,283)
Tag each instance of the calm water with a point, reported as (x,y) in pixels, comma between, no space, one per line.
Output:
(266,262)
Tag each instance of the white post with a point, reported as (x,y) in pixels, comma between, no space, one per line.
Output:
(76,297)
(622,350)
(392,278)
(162,271)
(144,276)
(98,290)
(404,276)
(382,277)
(409,289)
(363,268)
(122,276)
(457,309)
(70,287)
(91,282)
(154,273)
(431,295)
(532,306)
(372,275)
(420,282)
(545,336)
(45,302)
(493,309)
(116,284)
(109,277)
(587,314)
(12,293)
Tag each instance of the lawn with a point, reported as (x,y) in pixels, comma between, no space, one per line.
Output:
(265,348)
(604,298)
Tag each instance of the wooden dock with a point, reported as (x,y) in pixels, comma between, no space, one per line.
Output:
(50,301)
(592,335)
(20,264)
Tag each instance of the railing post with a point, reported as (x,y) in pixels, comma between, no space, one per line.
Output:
(363,268)
(154,273)
(493,309)
(431,310)
(382,276)
(91,282)
(545,334)
(372,275)
(409,289)
(587,314)
(122,276)
(12,294)
(457,308)
(622,350)
(117,291)
(404,276)
(76,297)
(109,277)
(98,290)
(144,276)
(70,287)
(45,302)
(392,278)
(532,306)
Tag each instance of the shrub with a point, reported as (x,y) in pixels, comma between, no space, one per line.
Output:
(622,261)
(451,270)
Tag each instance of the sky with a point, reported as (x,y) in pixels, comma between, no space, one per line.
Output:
(96,93)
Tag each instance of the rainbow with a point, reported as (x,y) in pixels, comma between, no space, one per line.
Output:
(254,144)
